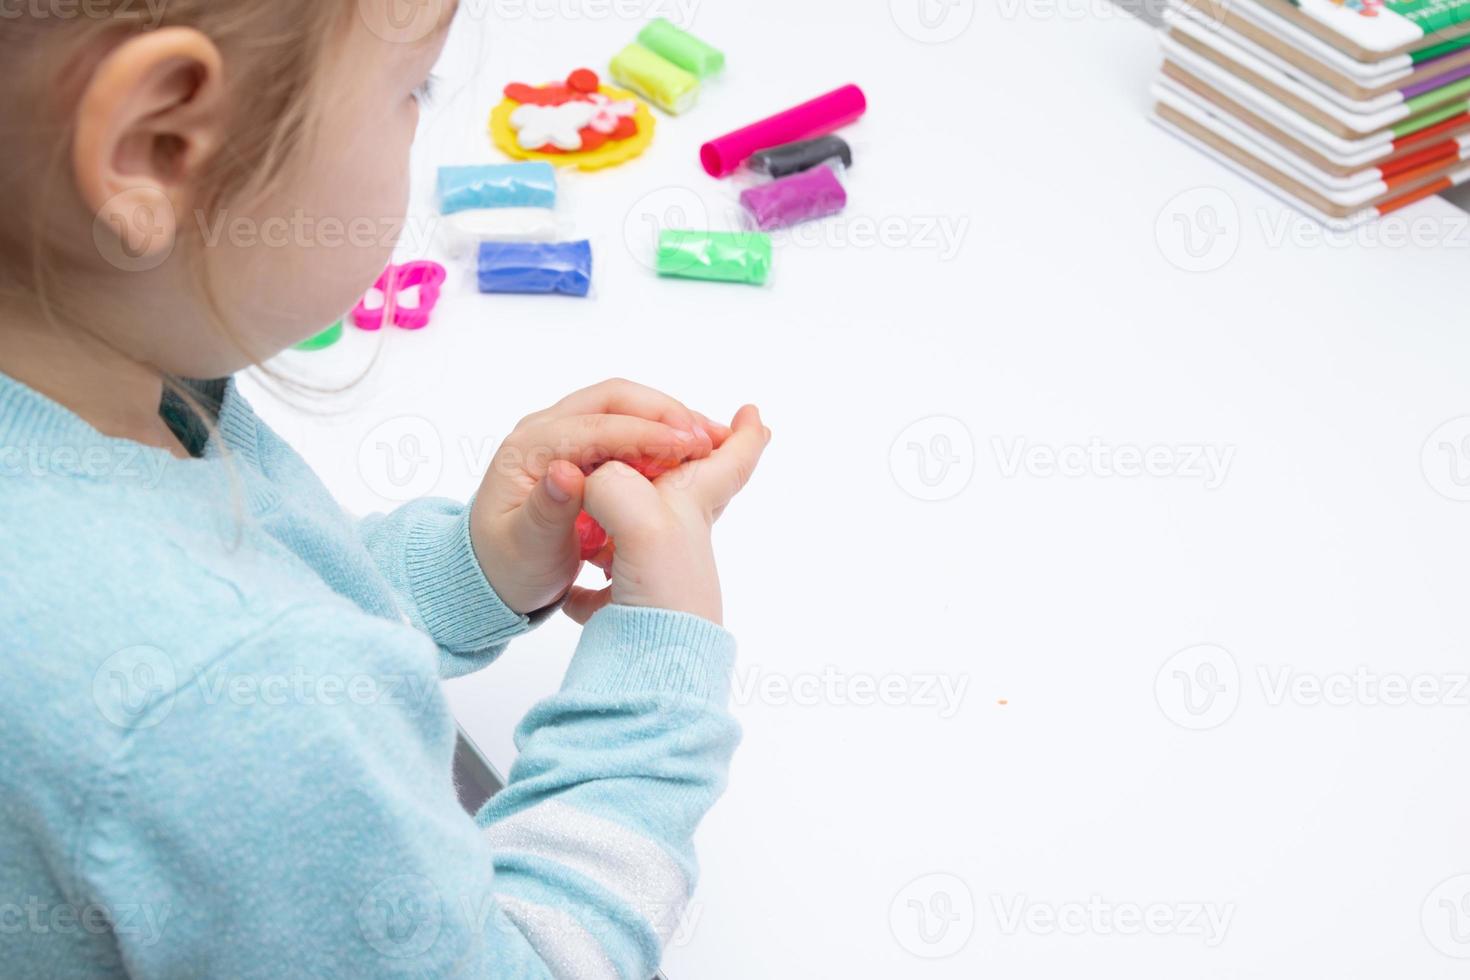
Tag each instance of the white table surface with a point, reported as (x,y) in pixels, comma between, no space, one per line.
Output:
(1060,310)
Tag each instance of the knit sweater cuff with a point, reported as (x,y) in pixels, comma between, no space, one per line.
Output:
(628,651)
(456,603)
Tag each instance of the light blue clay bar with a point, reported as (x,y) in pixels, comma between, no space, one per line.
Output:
(501,185)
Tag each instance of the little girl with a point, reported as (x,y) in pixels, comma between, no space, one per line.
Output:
(225,752)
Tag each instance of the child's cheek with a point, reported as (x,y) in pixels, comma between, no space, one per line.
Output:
(370,188)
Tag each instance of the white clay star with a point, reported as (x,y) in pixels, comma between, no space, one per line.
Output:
(559,125)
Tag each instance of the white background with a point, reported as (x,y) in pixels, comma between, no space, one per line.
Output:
(1014,261)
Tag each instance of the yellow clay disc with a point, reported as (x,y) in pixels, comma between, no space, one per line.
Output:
(609,154)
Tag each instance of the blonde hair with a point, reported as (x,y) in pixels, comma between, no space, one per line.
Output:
(273,52)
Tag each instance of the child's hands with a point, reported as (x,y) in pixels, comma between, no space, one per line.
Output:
(664,556)
(524,516)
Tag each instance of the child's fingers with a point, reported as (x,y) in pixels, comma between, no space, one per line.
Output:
(582,603)
(715,481)
(587,440)
(619,397)
(621,499)
(718,431)
(551,511)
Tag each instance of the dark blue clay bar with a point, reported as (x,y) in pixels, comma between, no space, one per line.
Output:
(536,267)
(793,158)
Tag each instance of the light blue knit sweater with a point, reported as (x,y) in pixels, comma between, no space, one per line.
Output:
(224,751)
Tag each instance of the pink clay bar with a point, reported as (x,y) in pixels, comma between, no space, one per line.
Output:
(818,117)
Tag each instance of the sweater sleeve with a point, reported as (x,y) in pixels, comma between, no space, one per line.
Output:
(424,550)
(321,828)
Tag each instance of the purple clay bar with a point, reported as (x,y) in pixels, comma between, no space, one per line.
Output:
(806,196)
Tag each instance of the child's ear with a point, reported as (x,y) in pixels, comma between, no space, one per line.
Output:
(149,118)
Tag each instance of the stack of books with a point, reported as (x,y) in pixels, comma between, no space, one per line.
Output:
(1347,110)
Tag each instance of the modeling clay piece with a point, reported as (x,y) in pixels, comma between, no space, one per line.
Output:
(462,233)
(578,121)
(529,267)
(612,119)
(715,255)
(502,185)
(590,536)
(791,200)
(405,296)
(818,117)
(558,126)
(572,127)
(793,158)
(684,50)
(323,340)
(666,85)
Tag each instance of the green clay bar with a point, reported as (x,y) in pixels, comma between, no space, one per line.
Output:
(683,49)
(719,256)
(666,85)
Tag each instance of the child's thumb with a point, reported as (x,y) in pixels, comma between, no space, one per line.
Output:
(620,498)
(551,510)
